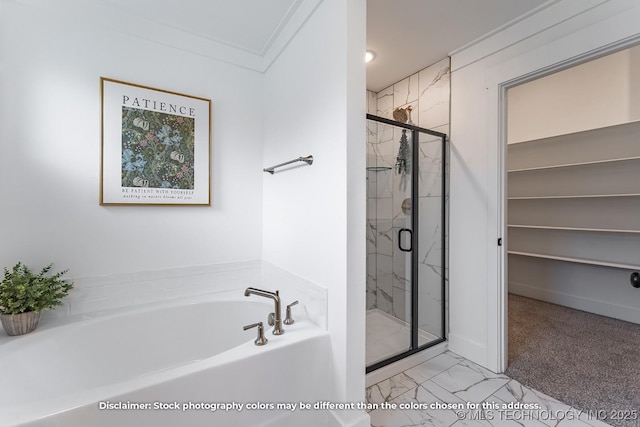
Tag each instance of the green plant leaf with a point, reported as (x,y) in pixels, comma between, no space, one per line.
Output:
(21,290)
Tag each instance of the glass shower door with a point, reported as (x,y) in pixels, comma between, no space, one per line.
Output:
(405,240)
(431,237)
(390,242)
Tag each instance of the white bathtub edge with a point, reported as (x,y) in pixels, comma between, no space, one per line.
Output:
(292,288)
(125,290)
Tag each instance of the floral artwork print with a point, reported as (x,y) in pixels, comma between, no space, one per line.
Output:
(157,149)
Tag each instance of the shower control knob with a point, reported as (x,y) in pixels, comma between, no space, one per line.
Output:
(635,279)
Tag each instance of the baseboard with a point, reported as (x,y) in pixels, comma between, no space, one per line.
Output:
(349,418)
(469,349)
(603,308)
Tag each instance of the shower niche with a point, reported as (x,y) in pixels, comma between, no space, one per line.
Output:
(406,221)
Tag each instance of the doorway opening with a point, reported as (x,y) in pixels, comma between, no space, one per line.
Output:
(573,232)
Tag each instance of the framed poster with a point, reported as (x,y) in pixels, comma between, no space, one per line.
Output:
(155,146)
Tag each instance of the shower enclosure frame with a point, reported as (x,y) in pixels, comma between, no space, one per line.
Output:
(414,347)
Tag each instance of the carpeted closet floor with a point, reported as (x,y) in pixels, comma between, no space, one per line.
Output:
(585,360)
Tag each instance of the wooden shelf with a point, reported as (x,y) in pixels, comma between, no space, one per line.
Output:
(597,230)
(585,196)
(581,134)
(568,165)
(576,260)
(593,147)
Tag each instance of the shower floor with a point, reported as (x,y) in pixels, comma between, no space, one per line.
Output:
(388,335)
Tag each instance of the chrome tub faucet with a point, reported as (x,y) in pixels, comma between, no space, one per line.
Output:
(275,296)
(261,340)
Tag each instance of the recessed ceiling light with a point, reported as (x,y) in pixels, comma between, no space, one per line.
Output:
(369,56)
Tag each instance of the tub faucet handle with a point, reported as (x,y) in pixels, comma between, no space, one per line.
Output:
(261,340)
(271,319)
(289,320)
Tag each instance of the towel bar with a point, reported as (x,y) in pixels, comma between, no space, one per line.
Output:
(308,160)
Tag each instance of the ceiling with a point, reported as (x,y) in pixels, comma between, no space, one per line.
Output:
(249,25)
(407,35)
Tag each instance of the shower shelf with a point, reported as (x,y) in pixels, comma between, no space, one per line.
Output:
(378,168)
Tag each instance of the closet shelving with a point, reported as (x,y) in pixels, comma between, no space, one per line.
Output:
(583,196)
(568,165)
(576,197)
(603,230)
(576,260)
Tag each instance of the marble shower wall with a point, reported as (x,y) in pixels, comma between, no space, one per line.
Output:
(388,289)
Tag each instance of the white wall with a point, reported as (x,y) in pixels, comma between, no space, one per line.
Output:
(52,58)
(564,31)
(314,216)
(598,93)
(308,102)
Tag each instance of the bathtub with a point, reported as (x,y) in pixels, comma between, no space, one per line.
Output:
(171,364)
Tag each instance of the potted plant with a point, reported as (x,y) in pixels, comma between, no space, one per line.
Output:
(23,296)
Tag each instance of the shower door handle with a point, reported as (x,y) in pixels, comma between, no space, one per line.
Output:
(400,239)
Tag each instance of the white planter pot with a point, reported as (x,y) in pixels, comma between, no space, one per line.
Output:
(20,324)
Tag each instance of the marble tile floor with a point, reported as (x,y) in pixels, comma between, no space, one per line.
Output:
(448,390)
(387,336)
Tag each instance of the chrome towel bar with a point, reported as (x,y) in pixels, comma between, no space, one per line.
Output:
(308,160)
